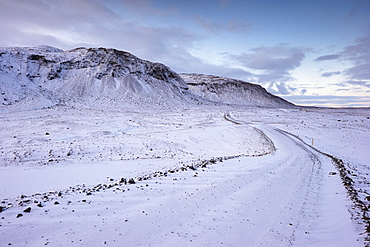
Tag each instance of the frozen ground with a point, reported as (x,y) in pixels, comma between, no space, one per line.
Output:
(213,176)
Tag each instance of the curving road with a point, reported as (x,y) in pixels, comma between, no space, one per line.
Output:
(282,199)
(286,198)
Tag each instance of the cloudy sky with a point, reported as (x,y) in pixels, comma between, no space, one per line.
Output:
(313,52)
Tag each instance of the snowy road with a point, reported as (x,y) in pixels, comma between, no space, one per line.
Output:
(280,199)
(286,198)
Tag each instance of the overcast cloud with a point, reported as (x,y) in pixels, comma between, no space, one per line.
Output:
(274,64)
(330,74)
(216,28)
(358,55)
(328,57)
(264,42)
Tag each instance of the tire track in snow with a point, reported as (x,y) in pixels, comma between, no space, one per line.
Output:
(314,177)
(274,200)
(360,209)
(270,200)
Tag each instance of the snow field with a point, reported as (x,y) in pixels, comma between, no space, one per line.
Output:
(286,197)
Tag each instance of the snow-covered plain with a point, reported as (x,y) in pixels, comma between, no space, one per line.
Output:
(203,176)
(101,148)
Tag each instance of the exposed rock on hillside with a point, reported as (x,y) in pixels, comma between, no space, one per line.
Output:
(231,91)
(95,76)
(32,77)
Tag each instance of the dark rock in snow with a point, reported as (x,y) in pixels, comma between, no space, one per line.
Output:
(131,181)
(27,210)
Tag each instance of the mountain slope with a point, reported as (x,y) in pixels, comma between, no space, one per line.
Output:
(95,76)
(32,77)
(231,91)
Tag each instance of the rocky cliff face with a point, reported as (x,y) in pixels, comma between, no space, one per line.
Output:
(231,91)
(99,76)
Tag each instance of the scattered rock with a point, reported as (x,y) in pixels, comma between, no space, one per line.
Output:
(19,215)
(131,181)
(27,210)
(192,167)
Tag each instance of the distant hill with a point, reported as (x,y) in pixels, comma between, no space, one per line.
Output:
(231,91)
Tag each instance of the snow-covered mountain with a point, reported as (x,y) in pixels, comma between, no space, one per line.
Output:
(231,91)
(100,77)
(96,76)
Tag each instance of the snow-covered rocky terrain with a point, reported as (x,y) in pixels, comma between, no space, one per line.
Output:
(100,148)
(96,76)
(231,91)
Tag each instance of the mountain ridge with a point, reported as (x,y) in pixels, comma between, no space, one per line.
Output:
(89,75)
(231,91)
(44,75)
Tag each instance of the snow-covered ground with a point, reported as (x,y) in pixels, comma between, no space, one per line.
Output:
(187,177)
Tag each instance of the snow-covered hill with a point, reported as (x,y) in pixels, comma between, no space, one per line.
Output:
(45,75)
(99,77)
(231,91)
